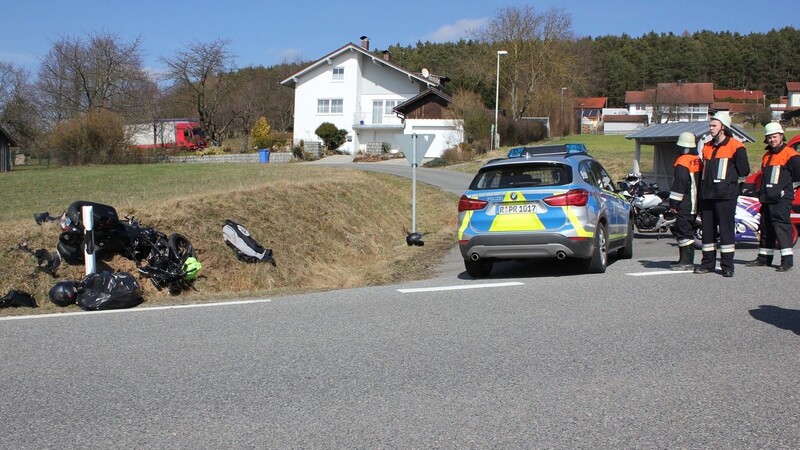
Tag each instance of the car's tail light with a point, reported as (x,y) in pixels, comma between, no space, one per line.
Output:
(573,197)
(470,204)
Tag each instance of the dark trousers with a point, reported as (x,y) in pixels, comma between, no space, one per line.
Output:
(684,228)
(718,221)
(776,220)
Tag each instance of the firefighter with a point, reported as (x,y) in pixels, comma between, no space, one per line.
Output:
(780,176)
(725,167)
(683,199)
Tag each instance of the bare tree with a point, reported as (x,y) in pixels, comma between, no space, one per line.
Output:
(18,112)
(99,72)
(539,60)
(201,74)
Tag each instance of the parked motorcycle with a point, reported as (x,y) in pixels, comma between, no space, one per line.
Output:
(650,206)
(747,223)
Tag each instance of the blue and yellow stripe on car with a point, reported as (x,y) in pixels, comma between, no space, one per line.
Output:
(516,222)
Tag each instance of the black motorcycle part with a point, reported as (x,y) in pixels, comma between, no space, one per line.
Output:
(179,246)
(105,217)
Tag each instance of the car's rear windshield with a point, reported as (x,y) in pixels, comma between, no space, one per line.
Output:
(523,175)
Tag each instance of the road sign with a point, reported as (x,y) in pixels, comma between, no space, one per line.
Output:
(415,154)
(414,146)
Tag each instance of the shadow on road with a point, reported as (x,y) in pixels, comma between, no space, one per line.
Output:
(786,319)
(535,268)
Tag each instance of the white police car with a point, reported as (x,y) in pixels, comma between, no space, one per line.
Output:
(551,201)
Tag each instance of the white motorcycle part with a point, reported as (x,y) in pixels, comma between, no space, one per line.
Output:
(647,201)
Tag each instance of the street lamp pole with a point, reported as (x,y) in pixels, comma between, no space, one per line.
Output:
(561,119)
(497,98)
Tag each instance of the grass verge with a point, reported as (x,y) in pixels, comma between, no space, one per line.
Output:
(328,227)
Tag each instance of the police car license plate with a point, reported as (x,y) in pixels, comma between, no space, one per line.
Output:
(526,208)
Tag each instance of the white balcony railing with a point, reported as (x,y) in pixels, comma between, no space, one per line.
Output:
(368,120)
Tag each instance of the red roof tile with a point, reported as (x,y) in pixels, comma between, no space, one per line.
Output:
(793,86)
(640,96)
(591,102)
(675,93)
(732,94)
(686,93)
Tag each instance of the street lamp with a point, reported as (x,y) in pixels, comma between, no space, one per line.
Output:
(497,98)
(561,119)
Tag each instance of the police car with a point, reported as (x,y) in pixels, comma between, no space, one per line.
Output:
(551,201)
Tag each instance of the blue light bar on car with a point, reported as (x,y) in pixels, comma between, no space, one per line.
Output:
(561,149)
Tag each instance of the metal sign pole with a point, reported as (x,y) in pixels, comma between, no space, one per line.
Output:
(88,238)
(414,185)
(414,157)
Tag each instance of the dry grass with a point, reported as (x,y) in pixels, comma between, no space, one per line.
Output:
(328,229)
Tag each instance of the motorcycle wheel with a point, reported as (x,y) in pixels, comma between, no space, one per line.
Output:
(698,237)
(179,247)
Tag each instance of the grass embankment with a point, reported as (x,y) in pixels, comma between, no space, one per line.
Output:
(616,153)
(328,228)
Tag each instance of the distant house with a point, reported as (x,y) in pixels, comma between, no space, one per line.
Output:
(6,142)
(672,102)
(739,101)
(360,92)
(790,107)
(589,111)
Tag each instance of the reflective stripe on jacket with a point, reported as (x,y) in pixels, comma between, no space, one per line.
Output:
(724,167)
(780,174)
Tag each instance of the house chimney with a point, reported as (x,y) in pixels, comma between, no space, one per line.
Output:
(365,42)
(387,56)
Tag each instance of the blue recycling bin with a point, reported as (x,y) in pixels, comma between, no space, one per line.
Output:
(263,156)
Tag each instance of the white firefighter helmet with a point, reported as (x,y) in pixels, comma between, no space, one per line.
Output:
(723,117)
(686,140)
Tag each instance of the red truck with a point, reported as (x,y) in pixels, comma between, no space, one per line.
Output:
(184,134)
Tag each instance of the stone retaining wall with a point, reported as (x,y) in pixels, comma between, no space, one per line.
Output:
(235,158)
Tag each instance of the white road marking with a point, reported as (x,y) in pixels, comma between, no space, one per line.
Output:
(132,310)
(459,287)
(660,272)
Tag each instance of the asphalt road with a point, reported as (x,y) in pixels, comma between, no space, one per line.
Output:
(537,356)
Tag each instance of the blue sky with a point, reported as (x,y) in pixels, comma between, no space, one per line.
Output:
(269,32)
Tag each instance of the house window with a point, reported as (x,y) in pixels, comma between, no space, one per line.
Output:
(338,74)
(337,106)
(330,106)
(388,105)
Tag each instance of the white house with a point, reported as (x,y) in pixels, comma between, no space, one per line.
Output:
(789,107)
(672,102)
(358,91)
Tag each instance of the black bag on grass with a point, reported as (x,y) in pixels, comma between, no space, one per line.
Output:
(247,249)
(106,290)
(15,299)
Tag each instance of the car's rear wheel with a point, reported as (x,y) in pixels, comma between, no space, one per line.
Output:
(479,268)
(626,252)
(599,260)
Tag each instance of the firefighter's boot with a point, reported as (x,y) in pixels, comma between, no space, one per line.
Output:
(686,261)
(761,260)
(787,261)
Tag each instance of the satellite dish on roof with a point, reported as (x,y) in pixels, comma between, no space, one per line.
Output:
(425,73)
